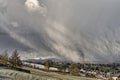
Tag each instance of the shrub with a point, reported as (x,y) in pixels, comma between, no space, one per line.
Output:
(74,69)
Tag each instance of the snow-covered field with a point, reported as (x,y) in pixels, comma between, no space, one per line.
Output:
(16,75)
(1,78)
(37,75)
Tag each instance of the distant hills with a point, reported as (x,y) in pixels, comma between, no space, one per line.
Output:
(44,60)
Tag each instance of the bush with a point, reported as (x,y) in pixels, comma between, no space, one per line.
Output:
(23,70)
(74,69)
(90,75)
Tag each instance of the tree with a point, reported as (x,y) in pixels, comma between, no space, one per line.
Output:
(4,58)
(62,67)
(74,69)
(15,59)
(47,64)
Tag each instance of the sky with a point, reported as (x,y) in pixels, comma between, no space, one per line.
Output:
(77,30)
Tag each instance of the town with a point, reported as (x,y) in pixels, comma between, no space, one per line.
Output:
(91,70)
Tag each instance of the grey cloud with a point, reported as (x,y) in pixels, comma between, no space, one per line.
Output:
(84,29)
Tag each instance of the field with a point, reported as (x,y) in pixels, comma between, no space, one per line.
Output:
(38,75)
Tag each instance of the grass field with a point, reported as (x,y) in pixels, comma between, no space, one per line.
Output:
(38,75)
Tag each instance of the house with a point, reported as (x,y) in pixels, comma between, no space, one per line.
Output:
(82,70)
(115,78)
(99,76)
(40,66)
(53,69)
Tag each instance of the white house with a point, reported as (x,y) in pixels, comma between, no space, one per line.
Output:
(34,65)
(53,69)
(114,78)
(39,66)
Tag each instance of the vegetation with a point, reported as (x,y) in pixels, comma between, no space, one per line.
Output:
(62,66)
(89,70)
(4,58)
(79,69)
(74,69)
(15,60)
(12,61)
(47,64)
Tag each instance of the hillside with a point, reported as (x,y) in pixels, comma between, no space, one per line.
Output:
(37,75)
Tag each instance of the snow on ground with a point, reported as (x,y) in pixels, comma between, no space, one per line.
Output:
(38,75)
(16,75)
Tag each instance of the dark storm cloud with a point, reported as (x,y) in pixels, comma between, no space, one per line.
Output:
(84,29)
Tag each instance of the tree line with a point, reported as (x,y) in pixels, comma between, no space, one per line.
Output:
(12,61)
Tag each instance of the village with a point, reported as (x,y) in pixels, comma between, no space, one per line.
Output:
(98,71)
